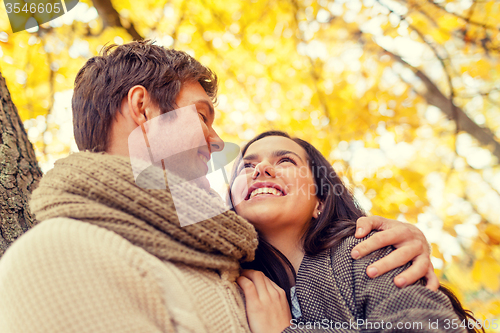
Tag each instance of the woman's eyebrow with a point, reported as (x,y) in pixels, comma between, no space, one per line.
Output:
(276,153)
(251,157)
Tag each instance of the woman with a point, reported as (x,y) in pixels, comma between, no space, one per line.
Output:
(306,221)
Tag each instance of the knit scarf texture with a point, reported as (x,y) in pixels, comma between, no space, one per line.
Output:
(99,188)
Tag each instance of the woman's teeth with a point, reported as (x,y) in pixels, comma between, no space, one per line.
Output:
(265,190)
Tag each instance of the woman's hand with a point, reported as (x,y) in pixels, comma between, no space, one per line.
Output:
(410,244)
(267,306)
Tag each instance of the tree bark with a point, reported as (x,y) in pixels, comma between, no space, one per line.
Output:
(19,172)
(111,18)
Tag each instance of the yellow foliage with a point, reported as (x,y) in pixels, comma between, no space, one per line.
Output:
(487,272)
(493,233)
(323,71)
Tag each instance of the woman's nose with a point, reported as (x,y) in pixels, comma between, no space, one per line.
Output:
(264,168)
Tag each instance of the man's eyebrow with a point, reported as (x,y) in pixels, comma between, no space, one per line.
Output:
(210,107)
(276,153)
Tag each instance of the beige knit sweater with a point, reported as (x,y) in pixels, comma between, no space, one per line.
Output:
(66,275)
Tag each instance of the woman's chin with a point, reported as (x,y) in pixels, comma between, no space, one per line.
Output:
(262,216)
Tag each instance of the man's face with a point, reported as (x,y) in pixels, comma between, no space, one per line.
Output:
(191,135)
(193,93)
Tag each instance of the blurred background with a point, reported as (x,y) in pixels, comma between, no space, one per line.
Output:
(402,97)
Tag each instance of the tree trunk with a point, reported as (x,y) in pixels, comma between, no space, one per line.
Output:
(19,172)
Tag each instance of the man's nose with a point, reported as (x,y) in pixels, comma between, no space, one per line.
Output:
(215,142)
(264,168)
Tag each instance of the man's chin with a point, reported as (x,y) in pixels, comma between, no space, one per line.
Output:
(196,176)
(203,183)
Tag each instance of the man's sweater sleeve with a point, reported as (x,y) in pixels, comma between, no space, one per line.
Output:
(68,276)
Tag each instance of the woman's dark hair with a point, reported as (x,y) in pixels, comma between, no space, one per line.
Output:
(336,222)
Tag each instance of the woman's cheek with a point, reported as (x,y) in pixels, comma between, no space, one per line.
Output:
(238,190)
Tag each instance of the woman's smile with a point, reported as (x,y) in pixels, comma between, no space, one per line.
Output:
(260,190)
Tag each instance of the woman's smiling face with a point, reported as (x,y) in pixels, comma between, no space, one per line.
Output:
(274,187)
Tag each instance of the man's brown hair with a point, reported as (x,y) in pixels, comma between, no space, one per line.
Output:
(104,80)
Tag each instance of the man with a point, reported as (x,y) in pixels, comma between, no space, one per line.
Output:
(111,256)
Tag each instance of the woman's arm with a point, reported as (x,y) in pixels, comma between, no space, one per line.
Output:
(410,244)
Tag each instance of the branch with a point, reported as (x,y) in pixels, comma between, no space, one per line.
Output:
(485,43)
(447,69)
(111,18)
(435,97)
(464,18)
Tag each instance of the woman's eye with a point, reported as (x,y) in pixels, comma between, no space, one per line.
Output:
(287,159)
(246,166)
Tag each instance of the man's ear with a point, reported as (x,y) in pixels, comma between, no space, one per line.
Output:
(139,104)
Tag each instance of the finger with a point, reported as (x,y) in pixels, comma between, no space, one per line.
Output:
(248,288)
(377,241)
(432,279)
(395,259)
(363,227)
(366,224)
(281,292)
(258,279)
(252,274)
(272,289)
(416,271)
(275,286)
(247,271)
(283,301)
